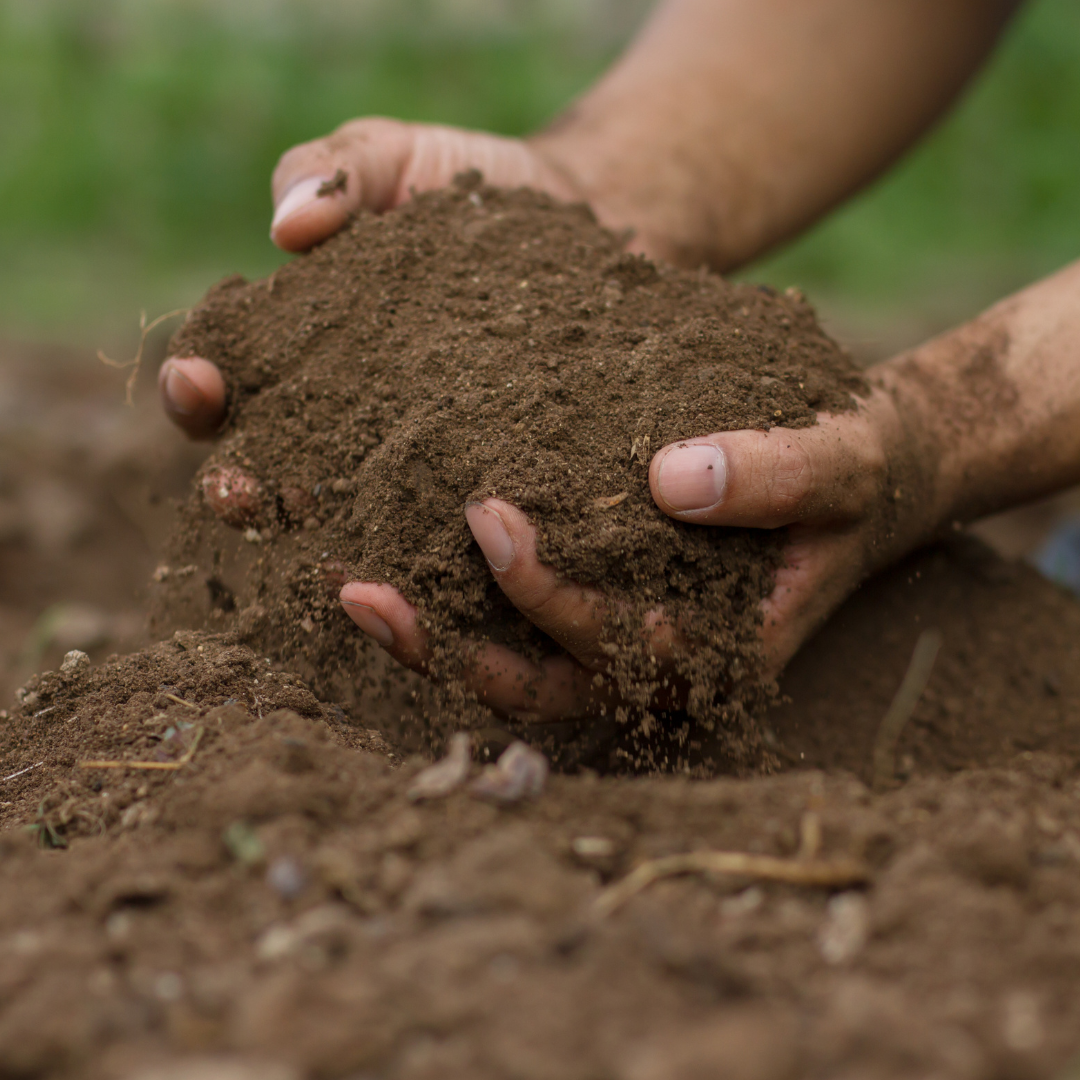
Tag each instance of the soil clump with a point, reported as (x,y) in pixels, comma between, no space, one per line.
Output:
(480,343)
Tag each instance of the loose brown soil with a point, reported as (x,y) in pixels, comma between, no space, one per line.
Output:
(275,907)
(483,343)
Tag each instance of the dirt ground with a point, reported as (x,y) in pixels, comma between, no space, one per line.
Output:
(271,904)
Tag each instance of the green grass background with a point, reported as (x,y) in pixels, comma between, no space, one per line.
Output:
(137,140)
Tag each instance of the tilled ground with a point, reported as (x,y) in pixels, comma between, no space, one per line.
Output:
(265,901)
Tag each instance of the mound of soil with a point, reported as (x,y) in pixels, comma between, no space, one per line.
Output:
(480,343)
(276,907)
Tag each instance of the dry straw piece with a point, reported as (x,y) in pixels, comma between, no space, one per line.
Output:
(903,705)
(841,873)
(168,766)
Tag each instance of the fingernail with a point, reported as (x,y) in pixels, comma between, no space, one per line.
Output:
(692,476)
(370,621)
(491,534)
(183,396)
(298,196)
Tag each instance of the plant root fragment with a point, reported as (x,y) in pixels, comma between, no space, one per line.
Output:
(168,766)
(136,363)
(838,873)
(903,705)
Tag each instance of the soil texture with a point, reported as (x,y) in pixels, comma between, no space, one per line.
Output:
(276,906)
(479,343)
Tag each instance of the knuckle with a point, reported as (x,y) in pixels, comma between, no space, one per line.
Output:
(790,478)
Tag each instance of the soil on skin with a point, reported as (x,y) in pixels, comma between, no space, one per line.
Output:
(480,343)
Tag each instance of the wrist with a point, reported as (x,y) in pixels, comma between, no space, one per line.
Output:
(919,489)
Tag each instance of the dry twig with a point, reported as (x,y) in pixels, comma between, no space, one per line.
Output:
(136,364)
(169,766)
(813,873)
(903,705)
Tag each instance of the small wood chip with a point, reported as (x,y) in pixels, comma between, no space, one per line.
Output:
(814,873)
(181,701)
(611,500)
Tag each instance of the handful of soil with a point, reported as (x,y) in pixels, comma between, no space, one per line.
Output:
(477,343)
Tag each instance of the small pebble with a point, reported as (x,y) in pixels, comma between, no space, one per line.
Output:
(444,776)
(519,774)
(846,928)
(286,877)
(592,847)
(74,661)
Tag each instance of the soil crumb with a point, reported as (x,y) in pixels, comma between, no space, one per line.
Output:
(479,343)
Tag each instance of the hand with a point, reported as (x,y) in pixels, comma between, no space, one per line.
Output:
(833,485)
(371,164)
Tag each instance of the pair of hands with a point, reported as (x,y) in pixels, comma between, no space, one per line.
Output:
(833,485)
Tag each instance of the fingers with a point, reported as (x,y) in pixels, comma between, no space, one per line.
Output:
(375,164)
(193,395)
(556,689)
(570,614)
(765,479)
(317,186)
(821,568)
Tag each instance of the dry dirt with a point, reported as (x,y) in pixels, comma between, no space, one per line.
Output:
(480,343)
(275,907)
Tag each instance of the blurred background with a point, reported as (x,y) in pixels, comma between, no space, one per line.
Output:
(137,139)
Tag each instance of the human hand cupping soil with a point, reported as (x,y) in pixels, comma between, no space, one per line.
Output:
(828,482)
(372,164)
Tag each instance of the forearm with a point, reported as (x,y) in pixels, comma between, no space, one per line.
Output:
(993,408)
(729,125)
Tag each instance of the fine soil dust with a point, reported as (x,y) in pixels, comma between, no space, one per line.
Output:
(480,343)
(265,903)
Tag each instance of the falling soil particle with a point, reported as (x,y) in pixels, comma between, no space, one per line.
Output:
(480,343)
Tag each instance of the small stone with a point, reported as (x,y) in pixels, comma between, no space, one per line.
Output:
(286,877)
(846,928)
(253,536)
(520,773)
(592,847)
(312,523)
(74,662)
(438,780)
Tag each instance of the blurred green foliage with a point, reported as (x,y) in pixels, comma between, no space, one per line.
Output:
(137,140)
(989,202)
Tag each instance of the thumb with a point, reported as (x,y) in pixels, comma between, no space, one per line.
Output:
(318,186)
(767,479)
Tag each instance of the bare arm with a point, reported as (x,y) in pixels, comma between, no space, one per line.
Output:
(726,127)
(730,125)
